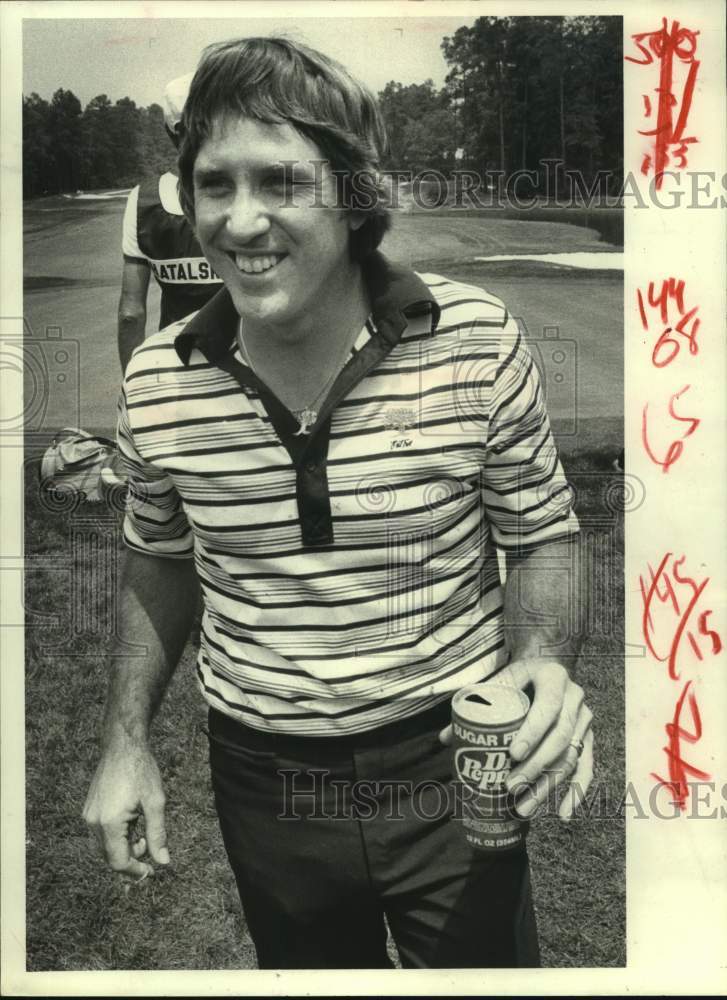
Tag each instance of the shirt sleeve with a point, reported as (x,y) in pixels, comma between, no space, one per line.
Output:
(527,499)
(129,242)
(155,522)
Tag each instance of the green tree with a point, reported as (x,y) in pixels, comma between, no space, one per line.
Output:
(65,131)
(481,81)
(99,165)
(38,162)
(125,139)
(156,151)
(606,77)
(420,124)
(532,88)
(522,53)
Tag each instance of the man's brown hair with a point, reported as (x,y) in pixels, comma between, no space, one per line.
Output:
(278,81)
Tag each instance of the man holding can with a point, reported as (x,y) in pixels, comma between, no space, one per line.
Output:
(333,447)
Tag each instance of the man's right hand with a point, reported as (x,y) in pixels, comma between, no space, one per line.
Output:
(157,604)
(127,785)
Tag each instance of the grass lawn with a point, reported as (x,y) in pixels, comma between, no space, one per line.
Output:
(80,916)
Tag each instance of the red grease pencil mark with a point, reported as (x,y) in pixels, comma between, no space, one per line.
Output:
(693,422)
(669,298)
(668,45)
(642,311)
(679,769)
(679,593)
(676,447)
(709,632)
(647,596)
(671,290)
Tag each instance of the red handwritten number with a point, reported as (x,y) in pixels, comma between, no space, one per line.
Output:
(647,596)
(693,422)
(668,44)
(692,335)
(679,769)
(666,586)
(659,361)
(648,58)
(671,289)
(696,594)
(668,345)
(681,152)
(676,448)
(642,311)
(670,592)
(709,632)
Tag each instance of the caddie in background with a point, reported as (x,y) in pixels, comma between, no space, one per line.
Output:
(334,447)
(158,240)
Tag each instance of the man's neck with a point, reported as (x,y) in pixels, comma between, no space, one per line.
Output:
(316,335)
(298,364)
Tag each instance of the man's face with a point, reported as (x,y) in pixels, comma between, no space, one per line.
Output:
(284,264)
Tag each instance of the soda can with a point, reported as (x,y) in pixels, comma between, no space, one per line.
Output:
(485,718)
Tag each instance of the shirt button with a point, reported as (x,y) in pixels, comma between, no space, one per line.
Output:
(311,467)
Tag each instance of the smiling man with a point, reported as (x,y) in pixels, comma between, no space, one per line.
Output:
(269,224)
(333,447)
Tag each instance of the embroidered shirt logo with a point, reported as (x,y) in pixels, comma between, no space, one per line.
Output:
(401,419)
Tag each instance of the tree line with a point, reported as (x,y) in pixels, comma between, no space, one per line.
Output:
(67,148)
(519,90)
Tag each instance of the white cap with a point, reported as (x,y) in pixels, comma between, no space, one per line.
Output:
(175,94)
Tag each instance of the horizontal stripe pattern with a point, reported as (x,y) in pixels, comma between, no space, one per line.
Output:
(440,452)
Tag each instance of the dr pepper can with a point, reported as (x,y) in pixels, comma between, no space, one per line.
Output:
(485,718)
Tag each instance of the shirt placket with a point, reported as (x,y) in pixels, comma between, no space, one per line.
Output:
(309,453)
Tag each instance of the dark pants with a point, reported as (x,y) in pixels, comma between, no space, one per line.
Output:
(320,860)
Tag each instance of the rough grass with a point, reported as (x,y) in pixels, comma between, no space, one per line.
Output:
(578,868)
(80,916)
(430,241)
(606,220)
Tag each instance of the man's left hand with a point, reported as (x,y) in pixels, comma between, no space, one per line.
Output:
(554,743)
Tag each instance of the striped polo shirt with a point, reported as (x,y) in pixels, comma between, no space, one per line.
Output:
(350,575)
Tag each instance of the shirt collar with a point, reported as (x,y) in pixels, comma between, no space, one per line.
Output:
(396,293)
